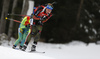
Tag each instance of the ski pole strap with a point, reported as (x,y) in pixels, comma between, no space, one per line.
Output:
(54,3)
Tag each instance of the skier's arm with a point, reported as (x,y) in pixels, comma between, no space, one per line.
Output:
(38,11)
(46,19)
(24,22)
(36,18)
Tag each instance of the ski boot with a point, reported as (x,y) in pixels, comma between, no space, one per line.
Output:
(33,48)
(24,47)
(20,47)
(14,47)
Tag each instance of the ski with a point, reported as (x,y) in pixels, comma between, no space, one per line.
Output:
(35,52)
(16,48)
(29,51)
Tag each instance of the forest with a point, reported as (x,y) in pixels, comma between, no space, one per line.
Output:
(71,20)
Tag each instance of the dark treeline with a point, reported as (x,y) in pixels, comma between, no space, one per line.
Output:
(71,20)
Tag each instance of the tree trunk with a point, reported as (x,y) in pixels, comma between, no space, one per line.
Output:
(78,17)
(11,22)
(79,10)
(25,7)
(3,15)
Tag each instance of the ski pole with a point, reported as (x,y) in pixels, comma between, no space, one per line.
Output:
(13,20)
(18,15)
(54,3)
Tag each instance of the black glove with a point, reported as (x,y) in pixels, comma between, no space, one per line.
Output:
(40,23)
(42,18)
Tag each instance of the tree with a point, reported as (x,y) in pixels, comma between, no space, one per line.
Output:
(25,7)
(79,10)
(4,12)
(11,22)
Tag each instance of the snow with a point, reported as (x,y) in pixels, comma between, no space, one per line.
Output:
(94,30)
(72,50)
(8,53)
(90,21)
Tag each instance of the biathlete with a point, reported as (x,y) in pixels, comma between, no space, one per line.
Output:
(41,15)
(23,31)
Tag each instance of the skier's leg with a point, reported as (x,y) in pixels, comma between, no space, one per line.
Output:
(26,40)
(28,37)
(26,43)
(24,37)
(37,37)
(20,34)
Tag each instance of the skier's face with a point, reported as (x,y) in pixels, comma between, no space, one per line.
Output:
(48,10)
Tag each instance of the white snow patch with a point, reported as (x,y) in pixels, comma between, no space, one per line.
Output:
(94,31)
(8,53)
(90,21)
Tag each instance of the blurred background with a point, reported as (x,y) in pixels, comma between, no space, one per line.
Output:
(72,20)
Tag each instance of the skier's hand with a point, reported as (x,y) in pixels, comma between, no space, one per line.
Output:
(42,18)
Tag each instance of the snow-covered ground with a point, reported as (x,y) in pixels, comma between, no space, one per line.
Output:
(8,53)
(72,50)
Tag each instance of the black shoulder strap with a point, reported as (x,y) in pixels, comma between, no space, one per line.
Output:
(38,11)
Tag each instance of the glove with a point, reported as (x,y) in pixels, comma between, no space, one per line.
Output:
(40,23)
(42,18)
